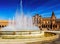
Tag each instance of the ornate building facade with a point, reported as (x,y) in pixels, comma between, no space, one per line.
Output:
(51,23)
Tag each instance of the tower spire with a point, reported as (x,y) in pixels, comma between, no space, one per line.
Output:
(53,13)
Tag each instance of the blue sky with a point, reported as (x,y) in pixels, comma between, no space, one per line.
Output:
(30,7)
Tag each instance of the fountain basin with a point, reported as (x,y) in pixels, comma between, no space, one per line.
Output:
(29,39)
(25,34)
(21,34)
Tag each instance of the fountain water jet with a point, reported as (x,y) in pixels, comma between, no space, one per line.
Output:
(20,22)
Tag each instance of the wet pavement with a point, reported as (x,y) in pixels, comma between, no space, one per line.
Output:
(52,42)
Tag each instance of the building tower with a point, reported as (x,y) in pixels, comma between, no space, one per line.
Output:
(53,20)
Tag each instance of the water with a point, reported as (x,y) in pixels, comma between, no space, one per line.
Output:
(20,22)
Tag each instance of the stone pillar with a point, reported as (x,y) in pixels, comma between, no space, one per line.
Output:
(52,27)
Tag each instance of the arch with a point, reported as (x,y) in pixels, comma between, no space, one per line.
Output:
(2,26)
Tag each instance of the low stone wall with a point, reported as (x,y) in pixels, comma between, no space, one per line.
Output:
(19,32)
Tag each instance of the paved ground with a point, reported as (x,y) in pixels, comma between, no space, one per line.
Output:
(52,42)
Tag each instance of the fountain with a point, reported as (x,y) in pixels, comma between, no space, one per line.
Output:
(20,22)
(21,27)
